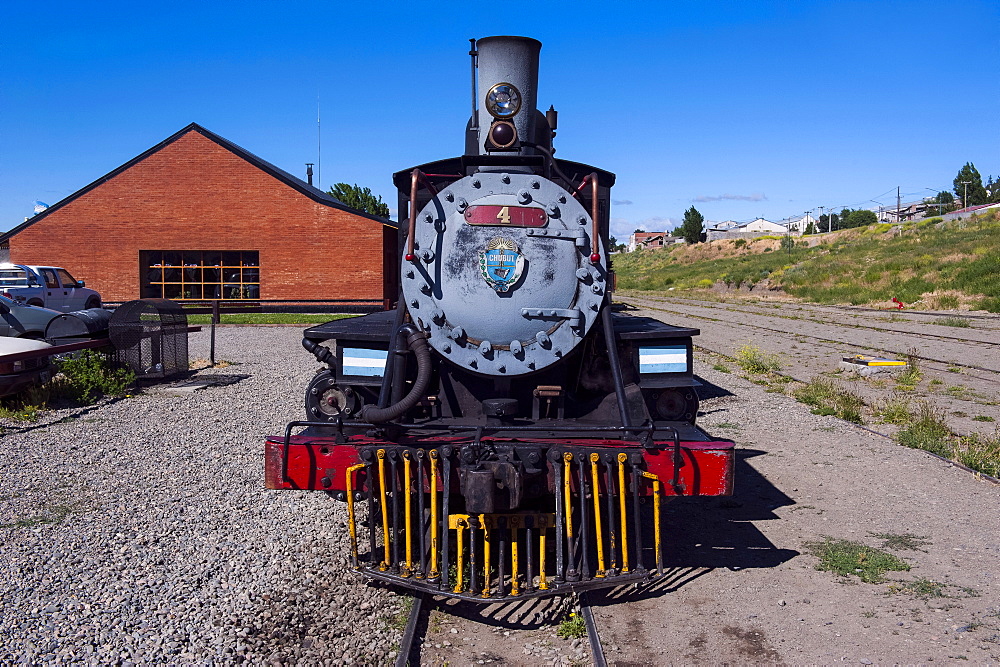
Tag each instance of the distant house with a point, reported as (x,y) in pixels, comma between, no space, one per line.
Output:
(797,224)
(646,240)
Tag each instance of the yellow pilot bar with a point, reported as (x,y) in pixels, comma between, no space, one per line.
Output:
(541,558)
(460,564)
(485,521)
(385,510)
(622,457)
(434,516)
(567,459)
(407,499)
(656,518)
(514,590)
(594,458)
(350,511)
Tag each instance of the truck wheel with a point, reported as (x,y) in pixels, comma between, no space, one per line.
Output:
(93,302)
(35,302)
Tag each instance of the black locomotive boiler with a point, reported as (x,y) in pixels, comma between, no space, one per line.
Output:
(503,433)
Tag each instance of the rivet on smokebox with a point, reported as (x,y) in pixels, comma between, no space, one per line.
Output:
(505,178)
(461,204)
(485,347)
(449,196)
(515,347)
(523,196)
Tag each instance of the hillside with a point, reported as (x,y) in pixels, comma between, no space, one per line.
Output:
(931,264)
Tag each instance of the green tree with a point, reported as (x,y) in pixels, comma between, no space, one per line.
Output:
(692,227)
(861,218)
(993,190)
(977,193)
(360,198)
(787,243)
(940,204)
(810,228)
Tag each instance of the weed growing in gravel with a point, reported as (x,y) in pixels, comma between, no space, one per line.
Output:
(51,515)
(752,359)
(927,431)
(847,558)
(979,452)
(922,588)
(894,409)
(827,398)
(721,368)
(572,627)
(983,418)
(90,375)
(902,541)
(954,322)
(910,378)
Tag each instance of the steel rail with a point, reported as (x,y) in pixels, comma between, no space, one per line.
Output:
(410,633)
(818,320)
(596,650)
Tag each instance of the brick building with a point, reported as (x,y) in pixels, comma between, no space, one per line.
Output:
(198,217)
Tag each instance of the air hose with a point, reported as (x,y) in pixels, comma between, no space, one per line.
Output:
(417,342)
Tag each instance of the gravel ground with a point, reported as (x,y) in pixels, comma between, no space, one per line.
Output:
(139,531)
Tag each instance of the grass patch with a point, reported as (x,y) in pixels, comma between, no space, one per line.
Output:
(936,266)
(399,620)
(954,322)
(893,410)
(910,378)
(752,359)
(50,515)
(903,541)
(827,399)
(269,318)
(573,627)
(929,432)
(922,588)
(721,368)
(848,558)
(983,418)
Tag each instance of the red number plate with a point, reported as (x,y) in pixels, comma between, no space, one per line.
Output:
(506,216)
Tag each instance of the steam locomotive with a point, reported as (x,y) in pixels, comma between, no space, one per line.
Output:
(503,433)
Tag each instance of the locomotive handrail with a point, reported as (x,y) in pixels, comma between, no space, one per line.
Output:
(415,176)
(595,247)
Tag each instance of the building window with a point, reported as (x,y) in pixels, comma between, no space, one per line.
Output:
(200,274)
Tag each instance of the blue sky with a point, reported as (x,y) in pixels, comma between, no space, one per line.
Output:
(738,108)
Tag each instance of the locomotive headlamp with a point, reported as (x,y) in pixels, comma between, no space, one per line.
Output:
(503,101)
(503,134)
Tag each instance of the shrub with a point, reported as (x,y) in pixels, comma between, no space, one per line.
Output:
(752,359)
(927,431)
(740,243)
(89,376)
(826,398)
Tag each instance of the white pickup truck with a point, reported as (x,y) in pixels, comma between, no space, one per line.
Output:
(49,286)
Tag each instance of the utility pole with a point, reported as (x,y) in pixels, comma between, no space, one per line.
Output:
(965,197)
(897,203)
(821,209)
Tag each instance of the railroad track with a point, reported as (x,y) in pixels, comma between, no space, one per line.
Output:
(873,348)
(409,653)
(708,305)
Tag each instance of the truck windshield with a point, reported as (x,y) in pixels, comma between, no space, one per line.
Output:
(9,277)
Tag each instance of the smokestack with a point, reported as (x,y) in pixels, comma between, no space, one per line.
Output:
(309,172)
(512,61)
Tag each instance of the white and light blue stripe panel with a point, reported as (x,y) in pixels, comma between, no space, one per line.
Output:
(360,361)
(663,359)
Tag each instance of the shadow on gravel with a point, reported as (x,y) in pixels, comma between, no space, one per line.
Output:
(709,390)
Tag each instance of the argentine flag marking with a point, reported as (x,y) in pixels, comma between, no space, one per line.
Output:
(359,361)
(663,359)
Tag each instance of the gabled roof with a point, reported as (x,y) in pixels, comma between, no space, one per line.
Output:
(297,184)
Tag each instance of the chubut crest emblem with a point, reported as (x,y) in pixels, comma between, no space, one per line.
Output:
(501,264)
